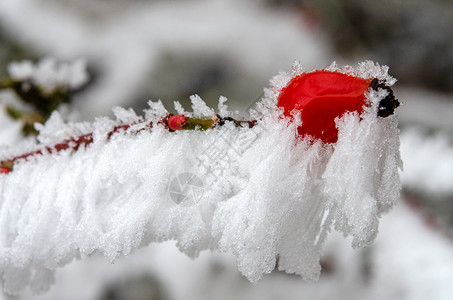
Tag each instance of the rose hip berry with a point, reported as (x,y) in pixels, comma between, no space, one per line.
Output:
(177,122)
(322,96)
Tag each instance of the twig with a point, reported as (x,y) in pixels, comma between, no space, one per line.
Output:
(171,122)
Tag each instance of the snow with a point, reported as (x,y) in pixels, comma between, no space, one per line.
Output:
(223,108)
(428,162)
(48,74)
(124,41)
(279,195)
(409,261)
(200,109)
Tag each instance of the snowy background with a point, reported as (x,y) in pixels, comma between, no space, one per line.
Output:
(140,50)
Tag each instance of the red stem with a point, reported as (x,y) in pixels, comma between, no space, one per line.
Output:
(76,142)
(73,143)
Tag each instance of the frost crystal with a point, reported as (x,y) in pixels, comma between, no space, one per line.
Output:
(258,193)
(223,108)
(199,107)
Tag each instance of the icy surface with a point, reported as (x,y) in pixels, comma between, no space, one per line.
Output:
(48,74)
(257,193)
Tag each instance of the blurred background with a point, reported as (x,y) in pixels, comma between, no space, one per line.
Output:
(140,50)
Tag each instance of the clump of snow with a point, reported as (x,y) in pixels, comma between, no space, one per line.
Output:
(271,194)
(365,158)
(48,74)
(56,130)
(23,70)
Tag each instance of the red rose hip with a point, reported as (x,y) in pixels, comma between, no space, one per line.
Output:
(322,96)
(177,122)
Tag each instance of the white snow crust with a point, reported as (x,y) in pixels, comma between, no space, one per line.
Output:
(265,192)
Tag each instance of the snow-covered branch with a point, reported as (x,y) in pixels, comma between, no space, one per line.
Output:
(258,192)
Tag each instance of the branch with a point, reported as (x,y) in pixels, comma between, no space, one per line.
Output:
(257,190)
(171,122)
